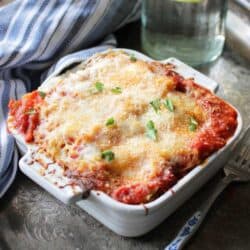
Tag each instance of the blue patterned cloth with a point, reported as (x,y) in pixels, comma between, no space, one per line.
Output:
(37,38)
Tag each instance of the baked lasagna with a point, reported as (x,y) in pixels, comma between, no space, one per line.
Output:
(124,126)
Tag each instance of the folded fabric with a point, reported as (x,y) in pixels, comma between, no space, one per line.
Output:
(34,35)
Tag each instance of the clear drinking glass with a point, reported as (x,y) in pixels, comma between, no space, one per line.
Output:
(190,30)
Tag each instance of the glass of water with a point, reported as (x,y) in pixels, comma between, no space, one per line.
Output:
(190,30)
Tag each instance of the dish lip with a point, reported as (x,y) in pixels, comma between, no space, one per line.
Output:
(185,180)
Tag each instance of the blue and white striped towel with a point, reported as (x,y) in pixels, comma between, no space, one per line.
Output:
(35,34)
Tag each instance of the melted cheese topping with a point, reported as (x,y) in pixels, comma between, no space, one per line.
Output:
(73,128)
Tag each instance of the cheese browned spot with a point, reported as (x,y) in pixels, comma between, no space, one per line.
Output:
(73,130)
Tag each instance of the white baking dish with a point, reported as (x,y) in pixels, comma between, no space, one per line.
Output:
(129,220)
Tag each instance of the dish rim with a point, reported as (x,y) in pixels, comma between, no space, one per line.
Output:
(181,183)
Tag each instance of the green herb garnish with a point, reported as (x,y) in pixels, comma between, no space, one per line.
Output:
(151,130)
(110,121)
(99,86)
(156,104)
(193,124)
(30,112)
(133,58)
(108,155)
(169,105)
(42,94)
(116,90)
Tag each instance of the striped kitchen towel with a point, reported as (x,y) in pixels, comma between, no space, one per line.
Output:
(34,35)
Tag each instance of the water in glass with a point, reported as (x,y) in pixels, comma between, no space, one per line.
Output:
(190,31)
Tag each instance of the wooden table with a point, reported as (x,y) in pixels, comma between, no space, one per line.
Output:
(32,219)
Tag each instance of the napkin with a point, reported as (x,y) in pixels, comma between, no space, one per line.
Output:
(38,38)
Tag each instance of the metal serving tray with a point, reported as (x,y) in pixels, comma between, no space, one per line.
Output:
(123,219)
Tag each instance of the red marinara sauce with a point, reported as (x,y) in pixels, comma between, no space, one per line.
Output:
(221,119)
(144,192)
(26,113)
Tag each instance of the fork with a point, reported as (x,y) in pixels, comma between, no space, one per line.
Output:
(237,169)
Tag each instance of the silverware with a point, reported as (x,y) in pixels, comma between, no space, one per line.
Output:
(237,169)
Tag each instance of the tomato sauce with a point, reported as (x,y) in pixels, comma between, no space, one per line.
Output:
(26,114)
(144,192)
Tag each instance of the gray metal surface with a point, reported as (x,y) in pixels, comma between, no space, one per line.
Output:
(32,219)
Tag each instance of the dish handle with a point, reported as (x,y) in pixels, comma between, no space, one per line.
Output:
(49,176)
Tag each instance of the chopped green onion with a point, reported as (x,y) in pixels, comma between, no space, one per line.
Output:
(30,112)
(99,86)
(133,58)
(169,105)
(108,155)
(116,90)
(42,94)
(151,130)
(110,121)
(156,104)
(193,124)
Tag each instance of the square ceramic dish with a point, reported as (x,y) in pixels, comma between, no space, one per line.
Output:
(123,219)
